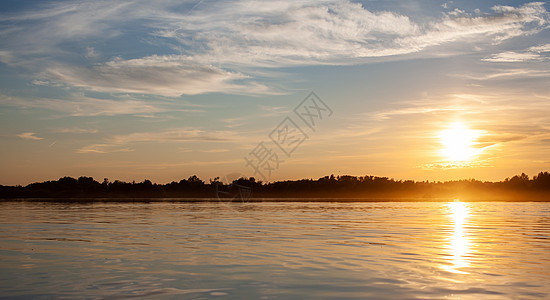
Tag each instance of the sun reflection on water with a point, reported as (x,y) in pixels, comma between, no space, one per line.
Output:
(459,244)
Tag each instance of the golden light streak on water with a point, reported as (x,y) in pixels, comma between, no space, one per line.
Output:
(459,246)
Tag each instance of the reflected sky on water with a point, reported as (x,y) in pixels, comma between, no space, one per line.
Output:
(268,250)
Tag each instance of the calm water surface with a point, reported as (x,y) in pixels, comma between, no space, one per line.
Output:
(271,250)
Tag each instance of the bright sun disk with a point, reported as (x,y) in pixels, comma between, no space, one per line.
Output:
(458,142)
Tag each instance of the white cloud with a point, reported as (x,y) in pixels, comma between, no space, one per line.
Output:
(302,33)
(221,46)
(510,56)
(506,74)
(42,30)
(161,75)
(540,48)
(535,53)
(340,32)
(29,136)
(506,23)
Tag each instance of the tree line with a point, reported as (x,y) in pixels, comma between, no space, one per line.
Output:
(519,187)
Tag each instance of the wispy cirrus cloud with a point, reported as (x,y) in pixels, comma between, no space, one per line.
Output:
(124,142)
(510,56)
(233,122)
(103,149)
(456,165)
(531,54)
(388,114)
(29,136)
(173,135)
(42,29)
(215,150)
(76,130)
(499,119)
(80,105)
(170,76)
(340,32)
(507,73)
(219,48)
(6,57)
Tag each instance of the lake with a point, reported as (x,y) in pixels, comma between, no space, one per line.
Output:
(274,250)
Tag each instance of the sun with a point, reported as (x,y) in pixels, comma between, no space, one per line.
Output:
(459,142)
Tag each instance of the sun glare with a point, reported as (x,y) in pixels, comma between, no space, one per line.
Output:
(458,142)
(459,245)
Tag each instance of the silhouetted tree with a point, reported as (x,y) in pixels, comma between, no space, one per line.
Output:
(327,186)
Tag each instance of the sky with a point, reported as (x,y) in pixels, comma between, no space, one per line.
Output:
(162,90)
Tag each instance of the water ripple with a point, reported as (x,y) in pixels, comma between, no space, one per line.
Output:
(273,250)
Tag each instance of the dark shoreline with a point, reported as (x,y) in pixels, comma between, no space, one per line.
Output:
(345,188)
(255,200)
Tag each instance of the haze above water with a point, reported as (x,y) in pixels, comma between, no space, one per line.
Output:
(168,250)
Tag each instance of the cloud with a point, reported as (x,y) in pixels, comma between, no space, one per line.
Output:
(220,48)
(215,150)
(496,113)
(91,53)
(415,111)
(233,122)
(80,105)
(47,26)
(506,22)
(173,135)
(506,73)
(118,143)
(304,33)
(160,75)
(532,54)
(169,165)
(510,56)
(341,32)
(456,165)
(540,48)
(102,149)
(6,57)
(29,136)
(76,130)
(271,111)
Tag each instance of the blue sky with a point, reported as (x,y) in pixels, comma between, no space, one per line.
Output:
(167,89)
